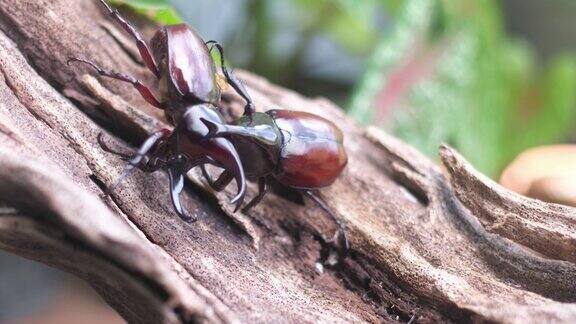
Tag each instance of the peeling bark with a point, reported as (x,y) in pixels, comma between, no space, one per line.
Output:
(423,248)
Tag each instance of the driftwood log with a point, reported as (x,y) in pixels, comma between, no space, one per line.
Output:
(429,244)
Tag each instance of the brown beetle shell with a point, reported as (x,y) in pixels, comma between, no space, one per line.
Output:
(186,64)
(312,155)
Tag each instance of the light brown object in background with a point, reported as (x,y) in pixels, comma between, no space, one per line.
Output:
(557,189)
(543,173)
(76,303)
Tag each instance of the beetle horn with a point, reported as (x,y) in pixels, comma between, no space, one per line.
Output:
(214,129)
(261,133)
(238,171)
(224,153)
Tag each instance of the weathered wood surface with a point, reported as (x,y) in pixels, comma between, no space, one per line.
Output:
(424,245)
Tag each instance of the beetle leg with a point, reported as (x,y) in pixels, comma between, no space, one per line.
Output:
(207,176)
(234,81)
(124,156)
(223,180)
(176,171)
(312,195)
(134,162)
(145,52)
(153,164)
(144,90)
(262,189)
(148,144)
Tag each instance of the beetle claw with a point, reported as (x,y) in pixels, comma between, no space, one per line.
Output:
(340,242)
(187,218)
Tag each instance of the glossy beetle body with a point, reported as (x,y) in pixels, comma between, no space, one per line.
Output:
(309,153)
(312,154)
(187,70)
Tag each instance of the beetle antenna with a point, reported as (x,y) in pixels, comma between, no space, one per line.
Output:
(106,148)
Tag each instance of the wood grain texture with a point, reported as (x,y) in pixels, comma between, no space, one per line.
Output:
(547,228)
(423,247)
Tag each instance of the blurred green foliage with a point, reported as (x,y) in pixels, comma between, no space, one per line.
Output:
(447,72)
(157,10)
(346,21)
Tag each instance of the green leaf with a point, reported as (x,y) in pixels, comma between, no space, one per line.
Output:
(448,73)
(158,10)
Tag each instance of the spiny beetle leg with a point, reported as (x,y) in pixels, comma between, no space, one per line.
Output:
(345,247)
(223,180)
(262,189)
(136,159)
(233,80)
(143,48)
(144,90)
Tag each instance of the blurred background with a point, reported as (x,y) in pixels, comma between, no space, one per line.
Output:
(494,79)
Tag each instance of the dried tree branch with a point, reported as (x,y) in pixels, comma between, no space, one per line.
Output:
(418,249)
(549,229)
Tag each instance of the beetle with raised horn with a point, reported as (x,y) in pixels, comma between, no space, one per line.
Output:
(188,88)
(300,150)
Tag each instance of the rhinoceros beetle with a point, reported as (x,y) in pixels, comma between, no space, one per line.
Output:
(300,150)
(188,89)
